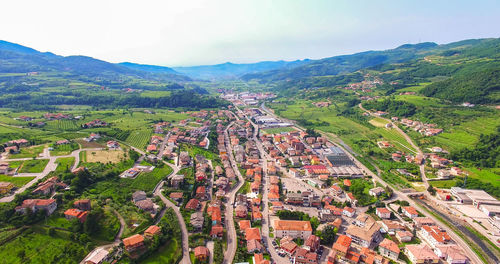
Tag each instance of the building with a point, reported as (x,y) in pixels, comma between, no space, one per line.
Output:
(49,205)
(6,187)
(365,231)
(389,249)
(434,235)
(409,211)
(292,228)
(383,213)
(404,236)
(452,254)
(133,243)
(303,256)
(76,213)
(337,157)
(152,231)
(312,243)
(377,191)
(83,204)
(197,220)
(421,254)
(98,256)
(391,227)
(201,253)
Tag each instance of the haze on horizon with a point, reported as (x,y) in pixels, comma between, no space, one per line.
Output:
(184,33)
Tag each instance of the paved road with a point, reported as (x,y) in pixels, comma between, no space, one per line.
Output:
(231,230)
(184,233)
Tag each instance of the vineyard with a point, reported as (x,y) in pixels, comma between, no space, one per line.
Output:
(139,138)
(63,125)
(64,163)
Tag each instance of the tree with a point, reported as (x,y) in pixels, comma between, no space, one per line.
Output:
(327,235)
(431,190)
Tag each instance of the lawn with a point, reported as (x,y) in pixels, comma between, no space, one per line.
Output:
(17,181)
(148,180)
(169,253)
(277,130)
(64,164)
(487,175)
(28,152)
(444,184)
(34,166)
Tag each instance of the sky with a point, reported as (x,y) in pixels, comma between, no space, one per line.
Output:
(201,32)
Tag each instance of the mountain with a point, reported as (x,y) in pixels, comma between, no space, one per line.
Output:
(345,63)
(15,58)
(230,70)
(149,68)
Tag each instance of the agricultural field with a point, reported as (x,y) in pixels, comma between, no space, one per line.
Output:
(378,122)
(146,181)
(64,164)
(168,253)
(139,138)
(33,166)
(34,247)
(105,156)
(491,175)
(63,125)
(17,181)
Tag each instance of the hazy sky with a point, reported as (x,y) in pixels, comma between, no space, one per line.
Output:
(190,32)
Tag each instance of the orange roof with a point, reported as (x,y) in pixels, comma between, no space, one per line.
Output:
(347,182)
(273,196)
(292,225)
(256,215)
(342,244)
(252,233)
(411,210)
(258,258)
(244,224)
(133,240)
(390,245)
(201,251)
(216,230)
(152,230)
(72,212)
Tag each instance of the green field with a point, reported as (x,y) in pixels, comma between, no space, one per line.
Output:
(28,152)
(66,149)
(17,181)
(34,166)
(64,163)
(40,248)
(277,130)
(491,175)
(445,184)
(169,253)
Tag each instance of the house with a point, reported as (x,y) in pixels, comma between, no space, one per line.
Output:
(292,228)
(192,204)
(139,196)
(6,187)
(252,233)
(352,199)
(200,193)
(76,213)
(133,243)
(176,196)
(452,254)
(410,211)
(258,258)
(342,245)
(434,235)
(197,220)
(377,191)
(288,245)
(389,249)
(201,253)
(97,256)
(177,180)
(147,205)
(383,213)
(49,205)
(244,224)
(312,243)
(421,254)
(241,211)
(256,214)
(348,211)
(404,236)
(303,256)
(391,227)
(217,231)
(152,231)
(113,144)
(83,204)
(254,246)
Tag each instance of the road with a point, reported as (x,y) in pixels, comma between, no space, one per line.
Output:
(184,233)
(231,230)
(51,166)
